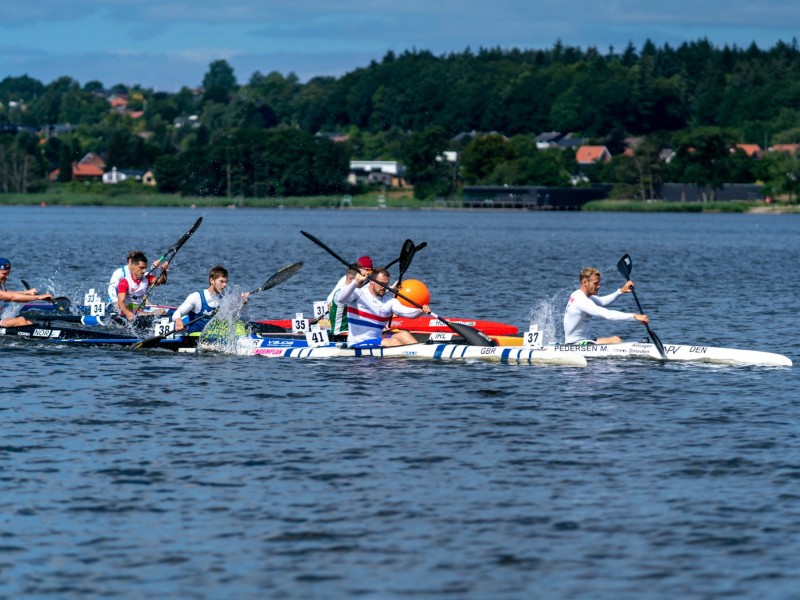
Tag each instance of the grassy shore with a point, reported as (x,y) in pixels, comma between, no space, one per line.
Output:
(127,198)
(396,200)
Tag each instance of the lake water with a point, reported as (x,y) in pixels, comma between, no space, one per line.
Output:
(148,474)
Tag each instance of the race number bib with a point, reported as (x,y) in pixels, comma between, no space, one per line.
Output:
(164,327)
(97,308)
(320,310)
(299,324)
(533,337)
(317,337)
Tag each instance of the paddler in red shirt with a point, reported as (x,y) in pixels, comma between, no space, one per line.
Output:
(132,289)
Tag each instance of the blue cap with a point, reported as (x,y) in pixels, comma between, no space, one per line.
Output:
(5,263)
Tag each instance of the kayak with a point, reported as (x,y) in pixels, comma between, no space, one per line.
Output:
(427,324)
(676,352)
(95,336)
(294,347)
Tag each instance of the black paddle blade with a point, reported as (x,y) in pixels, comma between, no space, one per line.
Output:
(624,266)
(657,343)
(150,342)
(473,336)
(62,304)
(26,284)
(397,260)
(406,256)
(177,245)
(281,276)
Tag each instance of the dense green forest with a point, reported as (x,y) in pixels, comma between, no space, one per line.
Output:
(273,135)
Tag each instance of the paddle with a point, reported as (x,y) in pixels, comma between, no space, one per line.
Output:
(399,258)
(60,304)
(473,336)
(406,256)
(278,278)
(167,256)
(82,319)
(624,266)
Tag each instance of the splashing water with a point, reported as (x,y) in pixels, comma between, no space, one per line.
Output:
(546,315)
(221,333)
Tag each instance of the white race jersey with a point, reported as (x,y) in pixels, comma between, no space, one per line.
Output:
(579,313)
(114,282)
(368,314)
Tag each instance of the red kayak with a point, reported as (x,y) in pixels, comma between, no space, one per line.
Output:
(427,324)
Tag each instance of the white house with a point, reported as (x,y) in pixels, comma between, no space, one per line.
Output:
(386,172)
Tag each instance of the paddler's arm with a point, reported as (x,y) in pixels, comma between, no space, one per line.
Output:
(23,296)
(162,278)
(348,292)
(409,311)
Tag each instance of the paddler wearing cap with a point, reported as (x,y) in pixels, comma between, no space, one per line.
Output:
(8,296)
(337,313)
(369,308)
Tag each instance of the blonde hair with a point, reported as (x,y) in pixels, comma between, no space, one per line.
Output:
(587,273)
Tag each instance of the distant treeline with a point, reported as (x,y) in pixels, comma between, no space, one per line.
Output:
(412,107)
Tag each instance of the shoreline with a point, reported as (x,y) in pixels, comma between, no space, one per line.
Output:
(373,202)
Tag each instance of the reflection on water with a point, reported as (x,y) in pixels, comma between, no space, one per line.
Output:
(144,474)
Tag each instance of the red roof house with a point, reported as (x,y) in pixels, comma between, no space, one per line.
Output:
(590,155)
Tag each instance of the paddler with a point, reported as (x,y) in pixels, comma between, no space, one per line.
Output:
(203,302)
(337,313)
(584,303)
(9,296)
(132,289)
(120,273)
(369,309)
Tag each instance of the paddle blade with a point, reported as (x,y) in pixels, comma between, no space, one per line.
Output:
(406,256)
(624,266)
(150,342)
(177,245)
(26,284)
(657,343)
(62,304)
(281,276)
(472,336)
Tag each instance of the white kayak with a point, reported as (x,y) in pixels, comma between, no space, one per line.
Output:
(284,348)
(707,354)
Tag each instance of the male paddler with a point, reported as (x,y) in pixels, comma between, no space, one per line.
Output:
(132,289)
(584,304)
(369,309)
(9,296)
(203,302)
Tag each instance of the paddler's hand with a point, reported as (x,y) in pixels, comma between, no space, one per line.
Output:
(361,277)
(48,297)
(642,318)
(627,287)
(245,297)
(426,310)
(178,324)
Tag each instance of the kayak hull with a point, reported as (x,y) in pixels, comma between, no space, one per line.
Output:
(677,352)
(296,348)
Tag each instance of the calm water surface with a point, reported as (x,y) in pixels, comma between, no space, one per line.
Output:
(144,475)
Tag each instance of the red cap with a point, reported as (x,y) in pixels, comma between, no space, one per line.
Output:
(365,262)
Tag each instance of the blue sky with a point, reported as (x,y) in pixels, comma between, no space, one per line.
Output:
(167,44)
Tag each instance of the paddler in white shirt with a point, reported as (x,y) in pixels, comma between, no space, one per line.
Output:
(132,289)
(337,313)
(8,296)
(584,303)
(203,302)
(369,309)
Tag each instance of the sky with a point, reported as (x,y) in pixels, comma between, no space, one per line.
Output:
(167,44)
